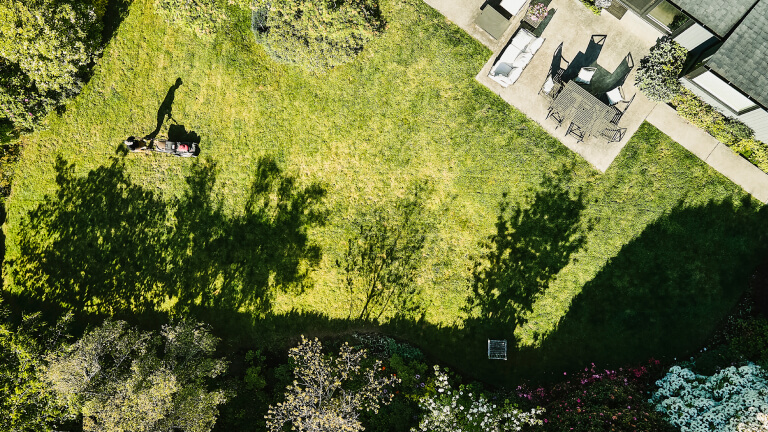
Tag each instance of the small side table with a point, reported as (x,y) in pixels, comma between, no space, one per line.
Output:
(492,22)
(532,22)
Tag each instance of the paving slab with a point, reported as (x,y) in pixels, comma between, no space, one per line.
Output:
(696,140)
(740,171)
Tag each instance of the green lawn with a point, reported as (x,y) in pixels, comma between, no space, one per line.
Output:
(666,226)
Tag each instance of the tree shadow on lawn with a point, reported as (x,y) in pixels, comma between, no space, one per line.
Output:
(534,240)
(104,244)
(665,292)
(233,262)
(659,297)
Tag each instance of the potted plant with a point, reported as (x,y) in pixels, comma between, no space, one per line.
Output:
(537,12)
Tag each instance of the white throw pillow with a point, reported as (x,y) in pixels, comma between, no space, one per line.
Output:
(522,60)
(534,46)
(585,75)
(501,69)
(514,75)
(615,96)
(549,84)
(521,40)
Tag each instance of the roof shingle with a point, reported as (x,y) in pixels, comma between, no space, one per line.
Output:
(719,15)
(743,57)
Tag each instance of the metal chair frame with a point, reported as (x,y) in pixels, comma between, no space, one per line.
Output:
(575,130)
(618,112)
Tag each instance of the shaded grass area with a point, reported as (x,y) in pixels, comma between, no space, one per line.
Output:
(670,246)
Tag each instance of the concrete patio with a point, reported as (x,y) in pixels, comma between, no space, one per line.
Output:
(573,25)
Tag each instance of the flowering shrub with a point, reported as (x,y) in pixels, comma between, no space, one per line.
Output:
(464,410)
(726,401)
(600,400)
(537,11)
(327,393)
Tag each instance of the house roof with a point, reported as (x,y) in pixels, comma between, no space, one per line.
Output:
(719,15)
(743,57)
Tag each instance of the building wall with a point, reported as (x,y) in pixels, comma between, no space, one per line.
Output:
(693,37)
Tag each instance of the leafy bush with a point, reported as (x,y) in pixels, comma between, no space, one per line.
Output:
(721,402)
(386,347)
(755,151)
(9,156)
(729,131)
(46,48)
(726,130)
(590,4)
(204,17)
(469,410)
(316,34)
(658,71)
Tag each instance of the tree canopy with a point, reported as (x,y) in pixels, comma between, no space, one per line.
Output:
(46,48)
(123,379)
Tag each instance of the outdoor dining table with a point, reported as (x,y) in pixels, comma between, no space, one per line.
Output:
(576,105)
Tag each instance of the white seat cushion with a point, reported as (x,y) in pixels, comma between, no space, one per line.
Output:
(522,60)
(585,75)
(515,74)
(534,46)
(614,96)
(549,84)
(521,40)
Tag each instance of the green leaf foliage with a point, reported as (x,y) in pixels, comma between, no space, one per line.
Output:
(658,71)
(316,34)
(46,48)
(204,17)
(26,400)
(116,378)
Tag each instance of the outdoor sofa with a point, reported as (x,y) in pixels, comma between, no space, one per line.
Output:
(515,57)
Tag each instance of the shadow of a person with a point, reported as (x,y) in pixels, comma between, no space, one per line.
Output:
(165,109)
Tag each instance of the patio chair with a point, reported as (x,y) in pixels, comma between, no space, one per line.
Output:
(556,116)
(576,131)
(613,135)
(554,82)
(618,112)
